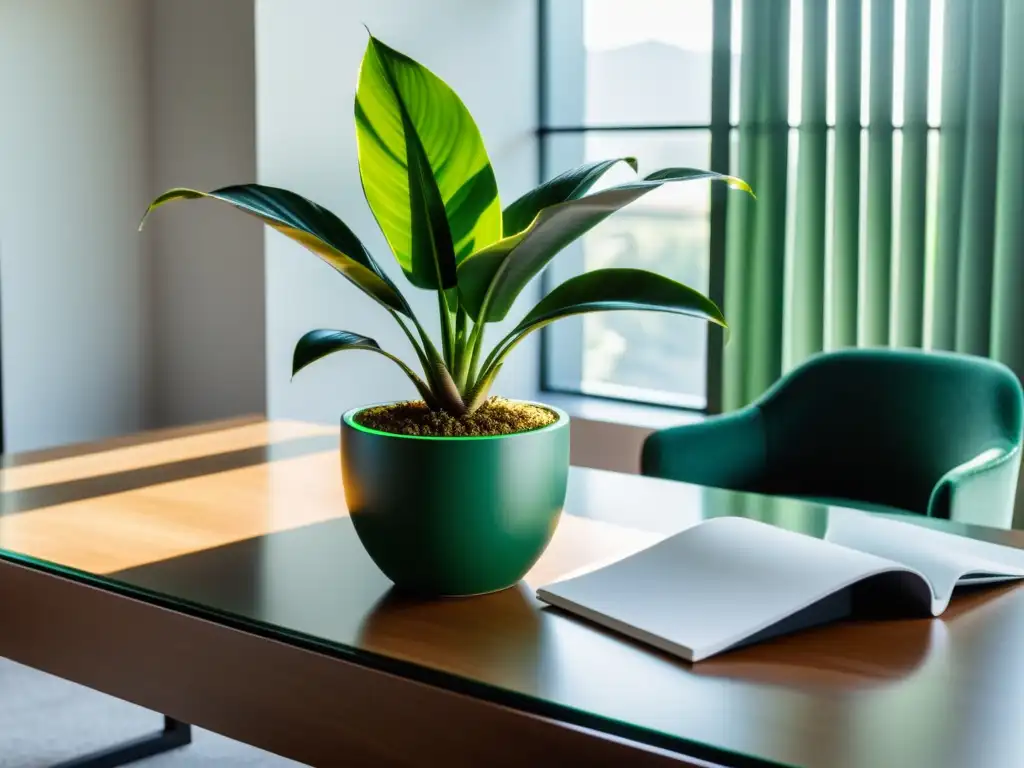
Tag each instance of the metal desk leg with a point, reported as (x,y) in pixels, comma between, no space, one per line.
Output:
(175,734)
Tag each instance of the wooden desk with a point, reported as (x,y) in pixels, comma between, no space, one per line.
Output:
(213,575)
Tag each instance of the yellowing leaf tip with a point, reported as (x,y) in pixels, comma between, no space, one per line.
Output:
(740,184)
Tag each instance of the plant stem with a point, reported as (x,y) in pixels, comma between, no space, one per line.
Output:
(494,354)
(476,397)
(434,364)
(420,354)
(495,359)
(421,386)
(460,331)
(461,347)
(447,336)
(476,342)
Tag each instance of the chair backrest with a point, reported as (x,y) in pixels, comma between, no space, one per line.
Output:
(883,426)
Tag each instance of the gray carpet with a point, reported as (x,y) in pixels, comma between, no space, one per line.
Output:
(44,720)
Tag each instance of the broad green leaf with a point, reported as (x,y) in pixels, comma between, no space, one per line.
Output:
(433,253)
(316,345)
(606,290)
(308,224)
(496,275)
(569,185)
(409,122)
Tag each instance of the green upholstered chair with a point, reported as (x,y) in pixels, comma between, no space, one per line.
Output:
(886,430)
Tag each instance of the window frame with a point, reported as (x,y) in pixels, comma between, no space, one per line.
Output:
(720,129)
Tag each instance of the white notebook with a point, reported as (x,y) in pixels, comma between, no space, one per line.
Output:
(732,581)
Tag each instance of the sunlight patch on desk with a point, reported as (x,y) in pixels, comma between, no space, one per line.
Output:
(125,530)
(152,454)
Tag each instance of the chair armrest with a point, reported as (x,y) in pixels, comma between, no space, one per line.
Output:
(723,451)
(980,491)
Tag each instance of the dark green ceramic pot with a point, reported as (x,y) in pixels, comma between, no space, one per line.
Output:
(455,515)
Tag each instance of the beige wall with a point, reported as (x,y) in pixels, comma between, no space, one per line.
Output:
(105,330)
(73,270)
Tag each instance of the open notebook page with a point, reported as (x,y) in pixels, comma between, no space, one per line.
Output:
(944,558)
(714,585)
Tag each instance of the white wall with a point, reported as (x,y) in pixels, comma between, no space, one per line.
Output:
(73,160)
(308,54)
(208,275)
(105,330)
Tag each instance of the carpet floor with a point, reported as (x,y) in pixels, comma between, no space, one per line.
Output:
(45,720)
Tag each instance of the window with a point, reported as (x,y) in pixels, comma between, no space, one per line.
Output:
(660,80)
(610,89)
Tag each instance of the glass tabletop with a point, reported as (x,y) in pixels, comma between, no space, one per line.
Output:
(247,525)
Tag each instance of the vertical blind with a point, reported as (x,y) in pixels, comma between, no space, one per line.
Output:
(890,182)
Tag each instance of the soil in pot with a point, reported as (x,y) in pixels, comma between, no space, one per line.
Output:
(497,416)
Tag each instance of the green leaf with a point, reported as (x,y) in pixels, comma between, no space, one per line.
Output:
(433,253)
(606,290)
(316,345)
(308,224)
(422,161)
(491,279)
(569,185)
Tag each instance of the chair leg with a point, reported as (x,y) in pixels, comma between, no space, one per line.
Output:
(175,734)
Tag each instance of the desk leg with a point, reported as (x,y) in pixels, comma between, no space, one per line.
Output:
(175,734)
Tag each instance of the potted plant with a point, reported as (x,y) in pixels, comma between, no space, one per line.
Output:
(456,493)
